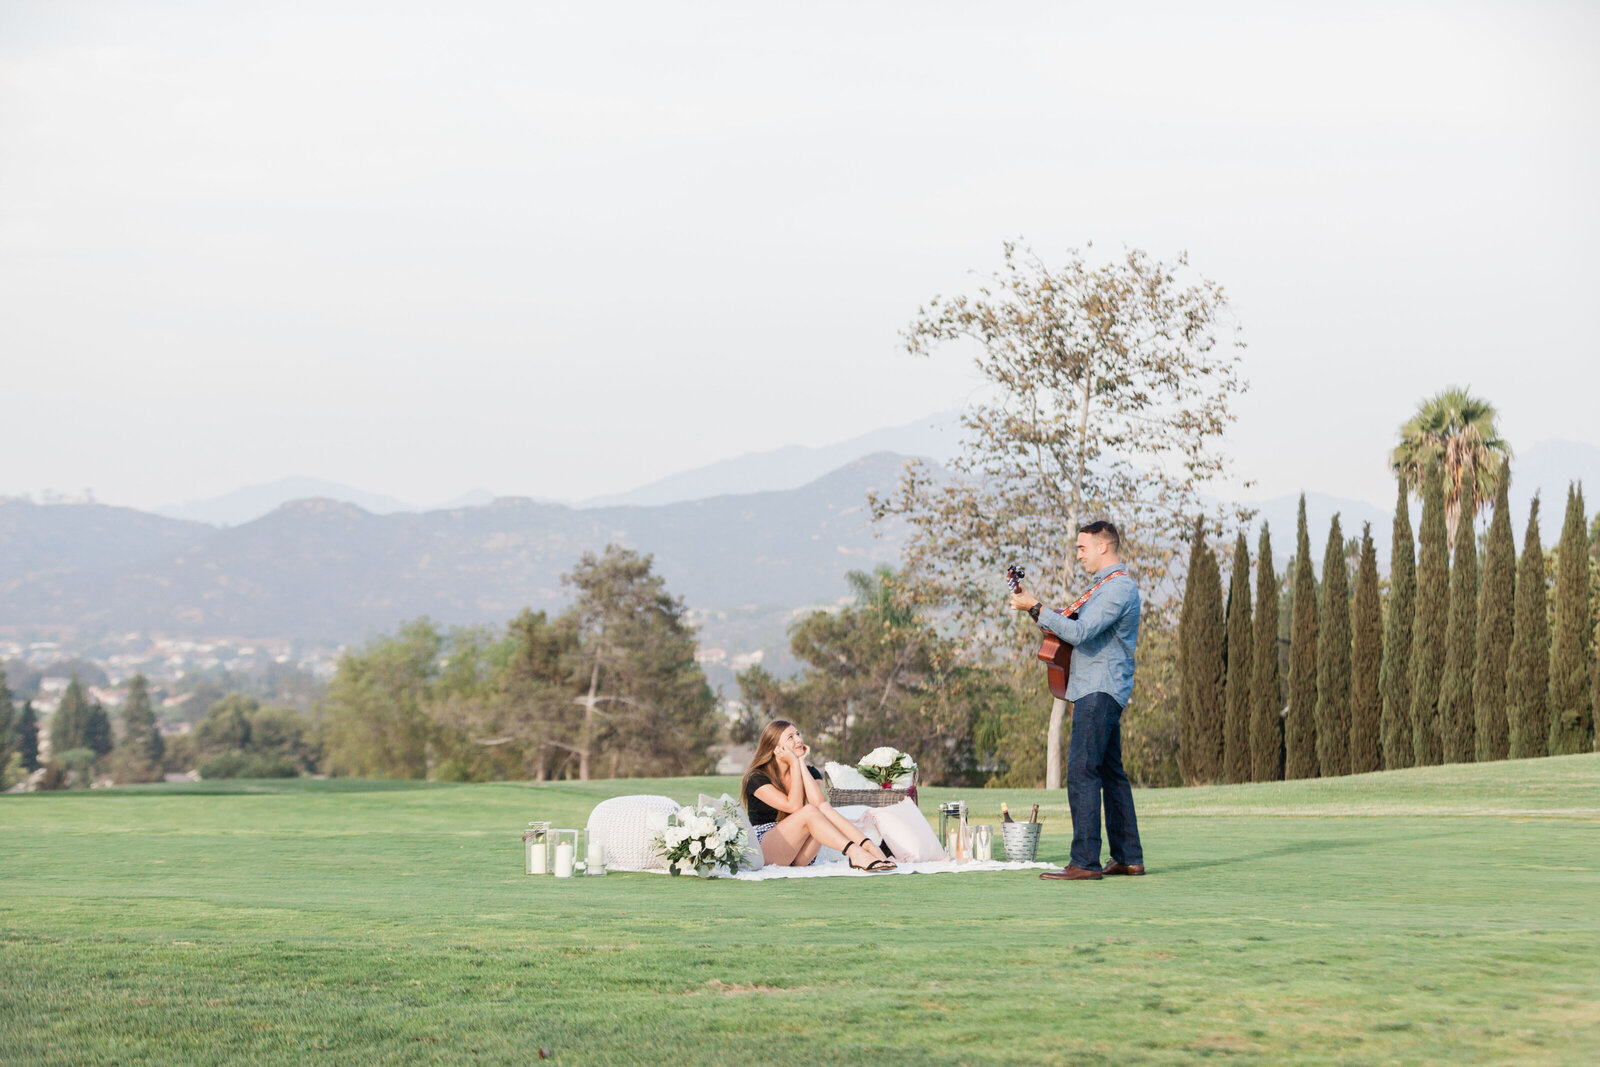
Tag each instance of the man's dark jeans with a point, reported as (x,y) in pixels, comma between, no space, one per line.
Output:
(1094,763)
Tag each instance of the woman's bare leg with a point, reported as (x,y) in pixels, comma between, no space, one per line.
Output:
(786,843)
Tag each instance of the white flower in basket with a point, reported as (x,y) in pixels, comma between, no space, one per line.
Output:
(701,840)
(887,766)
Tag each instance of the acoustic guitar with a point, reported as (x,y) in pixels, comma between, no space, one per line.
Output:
(1055,653)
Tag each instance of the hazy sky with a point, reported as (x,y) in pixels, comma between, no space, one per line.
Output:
(561,251)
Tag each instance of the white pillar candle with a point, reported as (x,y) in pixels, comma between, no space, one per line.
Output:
(536,858)
(596,856)
(564,860)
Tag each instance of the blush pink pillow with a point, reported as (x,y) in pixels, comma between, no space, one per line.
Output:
(907,833)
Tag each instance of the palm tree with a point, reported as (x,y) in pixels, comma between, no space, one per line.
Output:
(1458,430)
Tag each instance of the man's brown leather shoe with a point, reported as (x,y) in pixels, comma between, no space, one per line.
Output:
(1072,874)
(1123,868)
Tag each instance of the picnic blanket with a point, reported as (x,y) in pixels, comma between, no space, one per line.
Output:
(842,869)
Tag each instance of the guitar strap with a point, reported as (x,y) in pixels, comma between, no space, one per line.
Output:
(1084,599)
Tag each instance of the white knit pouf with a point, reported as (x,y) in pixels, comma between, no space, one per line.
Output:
(623,826)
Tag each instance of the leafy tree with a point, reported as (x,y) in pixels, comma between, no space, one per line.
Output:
(226,726)
(1299,725)
(878,673)
(1236,728)
(646,702)
(1496,600)
(1266,701)
(375,723)
(138,758)
(1455,431)
(1112,387)
(69,726)
(1428,636)
(1395,680)
(1456,712)
(1204,692)
(1333,660)
(28,737)
(1366,654)
(1571,714)
(1528,668)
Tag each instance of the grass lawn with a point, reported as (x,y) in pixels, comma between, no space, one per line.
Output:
(1440,915)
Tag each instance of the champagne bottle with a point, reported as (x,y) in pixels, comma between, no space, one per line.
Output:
(1005,813)
(1035,816)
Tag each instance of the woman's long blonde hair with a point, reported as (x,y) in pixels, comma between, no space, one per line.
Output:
(765,761)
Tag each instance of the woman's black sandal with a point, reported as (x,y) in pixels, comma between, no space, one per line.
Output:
(877,866)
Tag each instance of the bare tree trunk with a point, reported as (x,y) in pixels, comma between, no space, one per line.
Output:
(1058,708)
(588,715)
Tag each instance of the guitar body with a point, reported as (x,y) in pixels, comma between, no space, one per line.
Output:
(1056,655)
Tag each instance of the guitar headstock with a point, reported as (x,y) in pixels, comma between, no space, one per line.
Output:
(1014,575)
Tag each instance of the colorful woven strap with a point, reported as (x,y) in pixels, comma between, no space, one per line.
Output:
(1084,599)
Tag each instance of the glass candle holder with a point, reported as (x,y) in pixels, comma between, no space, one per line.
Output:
(567,849)
(594,855)
(536,853)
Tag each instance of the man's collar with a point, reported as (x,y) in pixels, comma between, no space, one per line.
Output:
(1103,571)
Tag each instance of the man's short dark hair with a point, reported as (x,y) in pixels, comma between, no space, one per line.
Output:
(1107,530)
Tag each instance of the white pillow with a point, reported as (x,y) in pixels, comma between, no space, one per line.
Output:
(846,777)
(752,848)
(907,833)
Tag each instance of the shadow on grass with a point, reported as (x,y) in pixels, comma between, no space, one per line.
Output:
(1293,848)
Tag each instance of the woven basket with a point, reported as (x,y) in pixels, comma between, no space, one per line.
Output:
(876,797)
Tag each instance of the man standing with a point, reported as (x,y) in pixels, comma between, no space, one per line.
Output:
(1102,627)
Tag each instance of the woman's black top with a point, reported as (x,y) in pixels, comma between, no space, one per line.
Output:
(760,811)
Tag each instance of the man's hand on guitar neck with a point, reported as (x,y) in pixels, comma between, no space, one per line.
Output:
(1022,600)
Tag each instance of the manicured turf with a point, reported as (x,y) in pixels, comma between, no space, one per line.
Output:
(1447,914)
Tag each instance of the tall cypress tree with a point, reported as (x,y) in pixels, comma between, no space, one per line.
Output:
(1266,701)
(1571,715)
(69,724)
(1207,671)
(1396,676)
(8,713)
(28,737)
(1333,660)
(139,757)
(1188,746)
(1428,633)
(1528,669)
(1366,656)
(1236,726)
(1456,713)
(1300,726)
(1496,599)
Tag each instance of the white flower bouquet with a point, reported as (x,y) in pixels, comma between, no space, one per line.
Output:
(701,839)
(886,766)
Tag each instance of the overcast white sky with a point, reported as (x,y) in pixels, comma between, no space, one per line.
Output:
(561,251)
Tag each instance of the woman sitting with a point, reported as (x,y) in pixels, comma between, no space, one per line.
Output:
(791,818)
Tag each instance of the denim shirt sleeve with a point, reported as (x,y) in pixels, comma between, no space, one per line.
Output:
(1094,618)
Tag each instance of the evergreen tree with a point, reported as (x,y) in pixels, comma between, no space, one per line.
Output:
(138,758)
(97,737)
(1571,715)
(1496,600)
(1528,668)
(28,737)
(1428,633)
(1266,700)
(1299,726)
(1456,713)
(1396,676)
(69,724)
(1236,728)
(1188,715)
(1366,655)
(1333,660)
(1204,678)
(8,734)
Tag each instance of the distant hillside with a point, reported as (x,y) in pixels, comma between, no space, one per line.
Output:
(326,570)
(253,501)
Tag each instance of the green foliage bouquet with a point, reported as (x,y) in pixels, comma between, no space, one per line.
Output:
(886,766)
(702,839)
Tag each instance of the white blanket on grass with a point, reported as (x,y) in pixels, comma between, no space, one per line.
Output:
(842,869)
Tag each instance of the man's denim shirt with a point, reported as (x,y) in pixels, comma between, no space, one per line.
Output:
(1102,636)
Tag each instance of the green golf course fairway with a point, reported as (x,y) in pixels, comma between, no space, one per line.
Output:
(1447,914)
